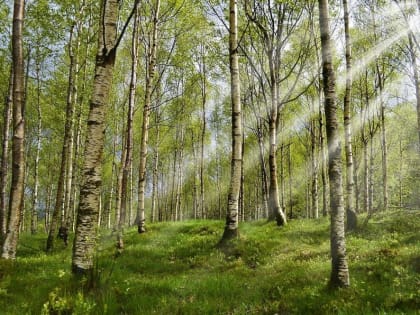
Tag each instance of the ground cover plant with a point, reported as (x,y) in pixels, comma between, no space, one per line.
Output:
(176,268)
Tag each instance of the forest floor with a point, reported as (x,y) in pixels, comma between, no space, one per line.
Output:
(175,268)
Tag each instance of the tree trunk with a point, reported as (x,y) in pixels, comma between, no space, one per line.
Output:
(18,146)
(48,208)
(380,82)
(400,177)
(146,114)
(87,215)
(264,181)
(178,198)
(416,79)
(242,188)
(5,158)
(323,162)
(59,200)
(174,179)
(34,216)
(128,158)
(314,171)
(155,168)
(78,147)
(350,212)
(366,177)
(274,201)
(231,227)
(289,166)
(383,147)
(371,170)
(118,190)
(70,150)
(340,272)
(194,192)
(203,130)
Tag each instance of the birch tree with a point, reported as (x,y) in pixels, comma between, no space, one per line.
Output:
(88,210)
(152,50)
(350,212)
(231,227)
(18,147)
(340,272)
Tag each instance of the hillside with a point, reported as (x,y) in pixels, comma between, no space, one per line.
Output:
(175,268)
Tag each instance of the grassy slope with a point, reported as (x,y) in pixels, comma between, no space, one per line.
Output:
(176,269)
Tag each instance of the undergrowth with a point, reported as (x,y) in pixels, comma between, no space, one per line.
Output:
(176,268)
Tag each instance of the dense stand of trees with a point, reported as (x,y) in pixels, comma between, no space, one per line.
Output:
(94,139)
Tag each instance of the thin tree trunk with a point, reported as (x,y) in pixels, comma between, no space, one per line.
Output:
(371,170)
(59,200)
(87,214)
(380,78)
(265,188)
(323,162)
(178,199)
(400,178)
(23,226)
(274,201)
(155,168)
(195,194)
(5,158)
(384,148)
(356,185)
(350,212)
(34,216)
(242,189)
(314,171)
(146,114)
(78,139)
(366,178)
(49,192)
(282,181)
(231,227)
(118,192)
(69,160)
(18,145)
(128,157)
(289,165)
(416,79)
(203,131)
(339,272)
(174,180)
(75,172)
(365,141)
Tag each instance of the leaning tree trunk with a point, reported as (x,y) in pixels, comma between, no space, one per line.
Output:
(145,126)
(350,212)
(88,210)
(18,146)
(4,170)
(340,272)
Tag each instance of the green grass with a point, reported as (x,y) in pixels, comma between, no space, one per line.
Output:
(175,268)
